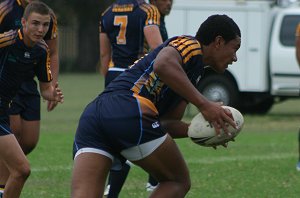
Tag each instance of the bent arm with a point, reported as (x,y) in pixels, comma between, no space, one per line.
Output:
(105,52)
(168,67)
(54,58)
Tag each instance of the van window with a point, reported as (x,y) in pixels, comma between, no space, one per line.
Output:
(288,30)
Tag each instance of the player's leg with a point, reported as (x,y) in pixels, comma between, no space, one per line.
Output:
(174,181)
(89,175)
(14,159)
(151,184)
(116,180)
(27,133)
(25,117)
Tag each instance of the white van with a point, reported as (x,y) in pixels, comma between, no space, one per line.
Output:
(267,69)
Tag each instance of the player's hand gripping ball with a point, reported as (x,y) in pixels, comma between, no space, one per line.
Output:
(203,133)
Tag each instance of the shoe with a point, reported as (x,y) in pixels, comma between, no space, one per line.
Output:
(298,166)
(106,190)
(149,187)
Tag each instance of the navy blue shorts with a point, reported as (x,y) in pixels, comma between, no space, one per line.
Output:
(27,102)
(112,74)
(115,122)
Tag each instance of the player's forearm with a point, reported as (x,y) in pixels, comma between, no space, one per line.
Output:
(104,63)
(54,63)
(176,128)
(54,58)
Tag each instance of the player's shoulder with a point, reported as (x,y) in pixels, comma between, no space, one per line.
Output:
(6,2)
(185,40)
(6,6)
(187,46)
(8,38)
(149,8)
(53,16)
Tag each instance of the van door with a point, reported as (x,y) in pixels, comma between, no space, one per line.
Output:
(284,69)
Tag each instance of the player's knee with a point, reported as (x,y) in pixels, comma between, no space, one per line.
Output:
(186,184)
(22,172)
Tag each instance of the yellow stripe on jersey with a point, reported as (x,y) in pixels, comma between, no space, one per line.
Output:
(20,34)
(138,85)
(144,102)
(187,47)
(298,30)
(122,8)
(5,8)
(7,38)
(19,2)
(48,67)
(153,16)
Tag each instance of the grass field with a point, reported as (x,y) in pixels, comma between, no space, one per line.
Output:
(260,164)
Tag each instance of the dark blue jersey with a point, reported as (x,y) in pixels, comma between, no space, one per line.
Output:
(19,62)
(141,80)
(124,23)
(11,12)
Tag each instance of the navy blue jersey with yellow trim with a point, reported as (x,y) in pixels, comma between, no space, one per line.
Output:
(19,62)
(11,12)
(143,81)
(124,22)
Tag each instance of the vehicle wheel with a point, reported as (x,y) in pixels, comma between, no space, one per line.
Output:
(219,88)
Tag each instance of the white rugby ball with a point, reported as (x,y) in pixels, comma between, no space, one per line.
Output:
(203,133)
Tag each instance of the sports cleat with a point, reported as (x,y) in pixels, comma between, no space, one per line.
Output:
(298,166)
(106,190)
(149,187)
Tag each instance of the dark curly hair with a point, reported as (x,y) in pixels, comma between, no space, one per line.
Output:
(217,25)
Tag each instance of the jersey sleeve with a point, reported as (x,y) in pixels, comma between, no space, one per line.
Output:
(101,21)
(152,14)
(53,31)
(189,50)
(42,69)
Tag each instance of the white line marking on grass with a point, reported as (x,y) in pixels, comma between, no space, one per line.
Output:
(200,160)
(212,160)
(51,168)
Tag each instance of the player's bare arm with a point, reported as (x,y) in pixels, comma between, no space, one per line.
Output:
(170,72)
(153,36)
(298,49)
(105,52)
(171,121)
(54,63)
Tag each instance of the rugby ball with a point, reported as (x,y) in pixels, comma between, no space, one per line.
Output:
(203,133)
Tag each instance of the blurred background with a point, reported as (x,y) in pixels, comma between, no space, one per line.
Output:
(78,23)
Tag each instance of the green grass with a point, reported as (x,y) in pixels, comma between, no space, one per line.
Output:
(261,163)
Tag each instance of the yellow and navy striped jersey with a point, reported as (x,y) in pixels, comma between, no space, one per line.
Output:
(11,12)
(124,22)
(19,63)
(141,79)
